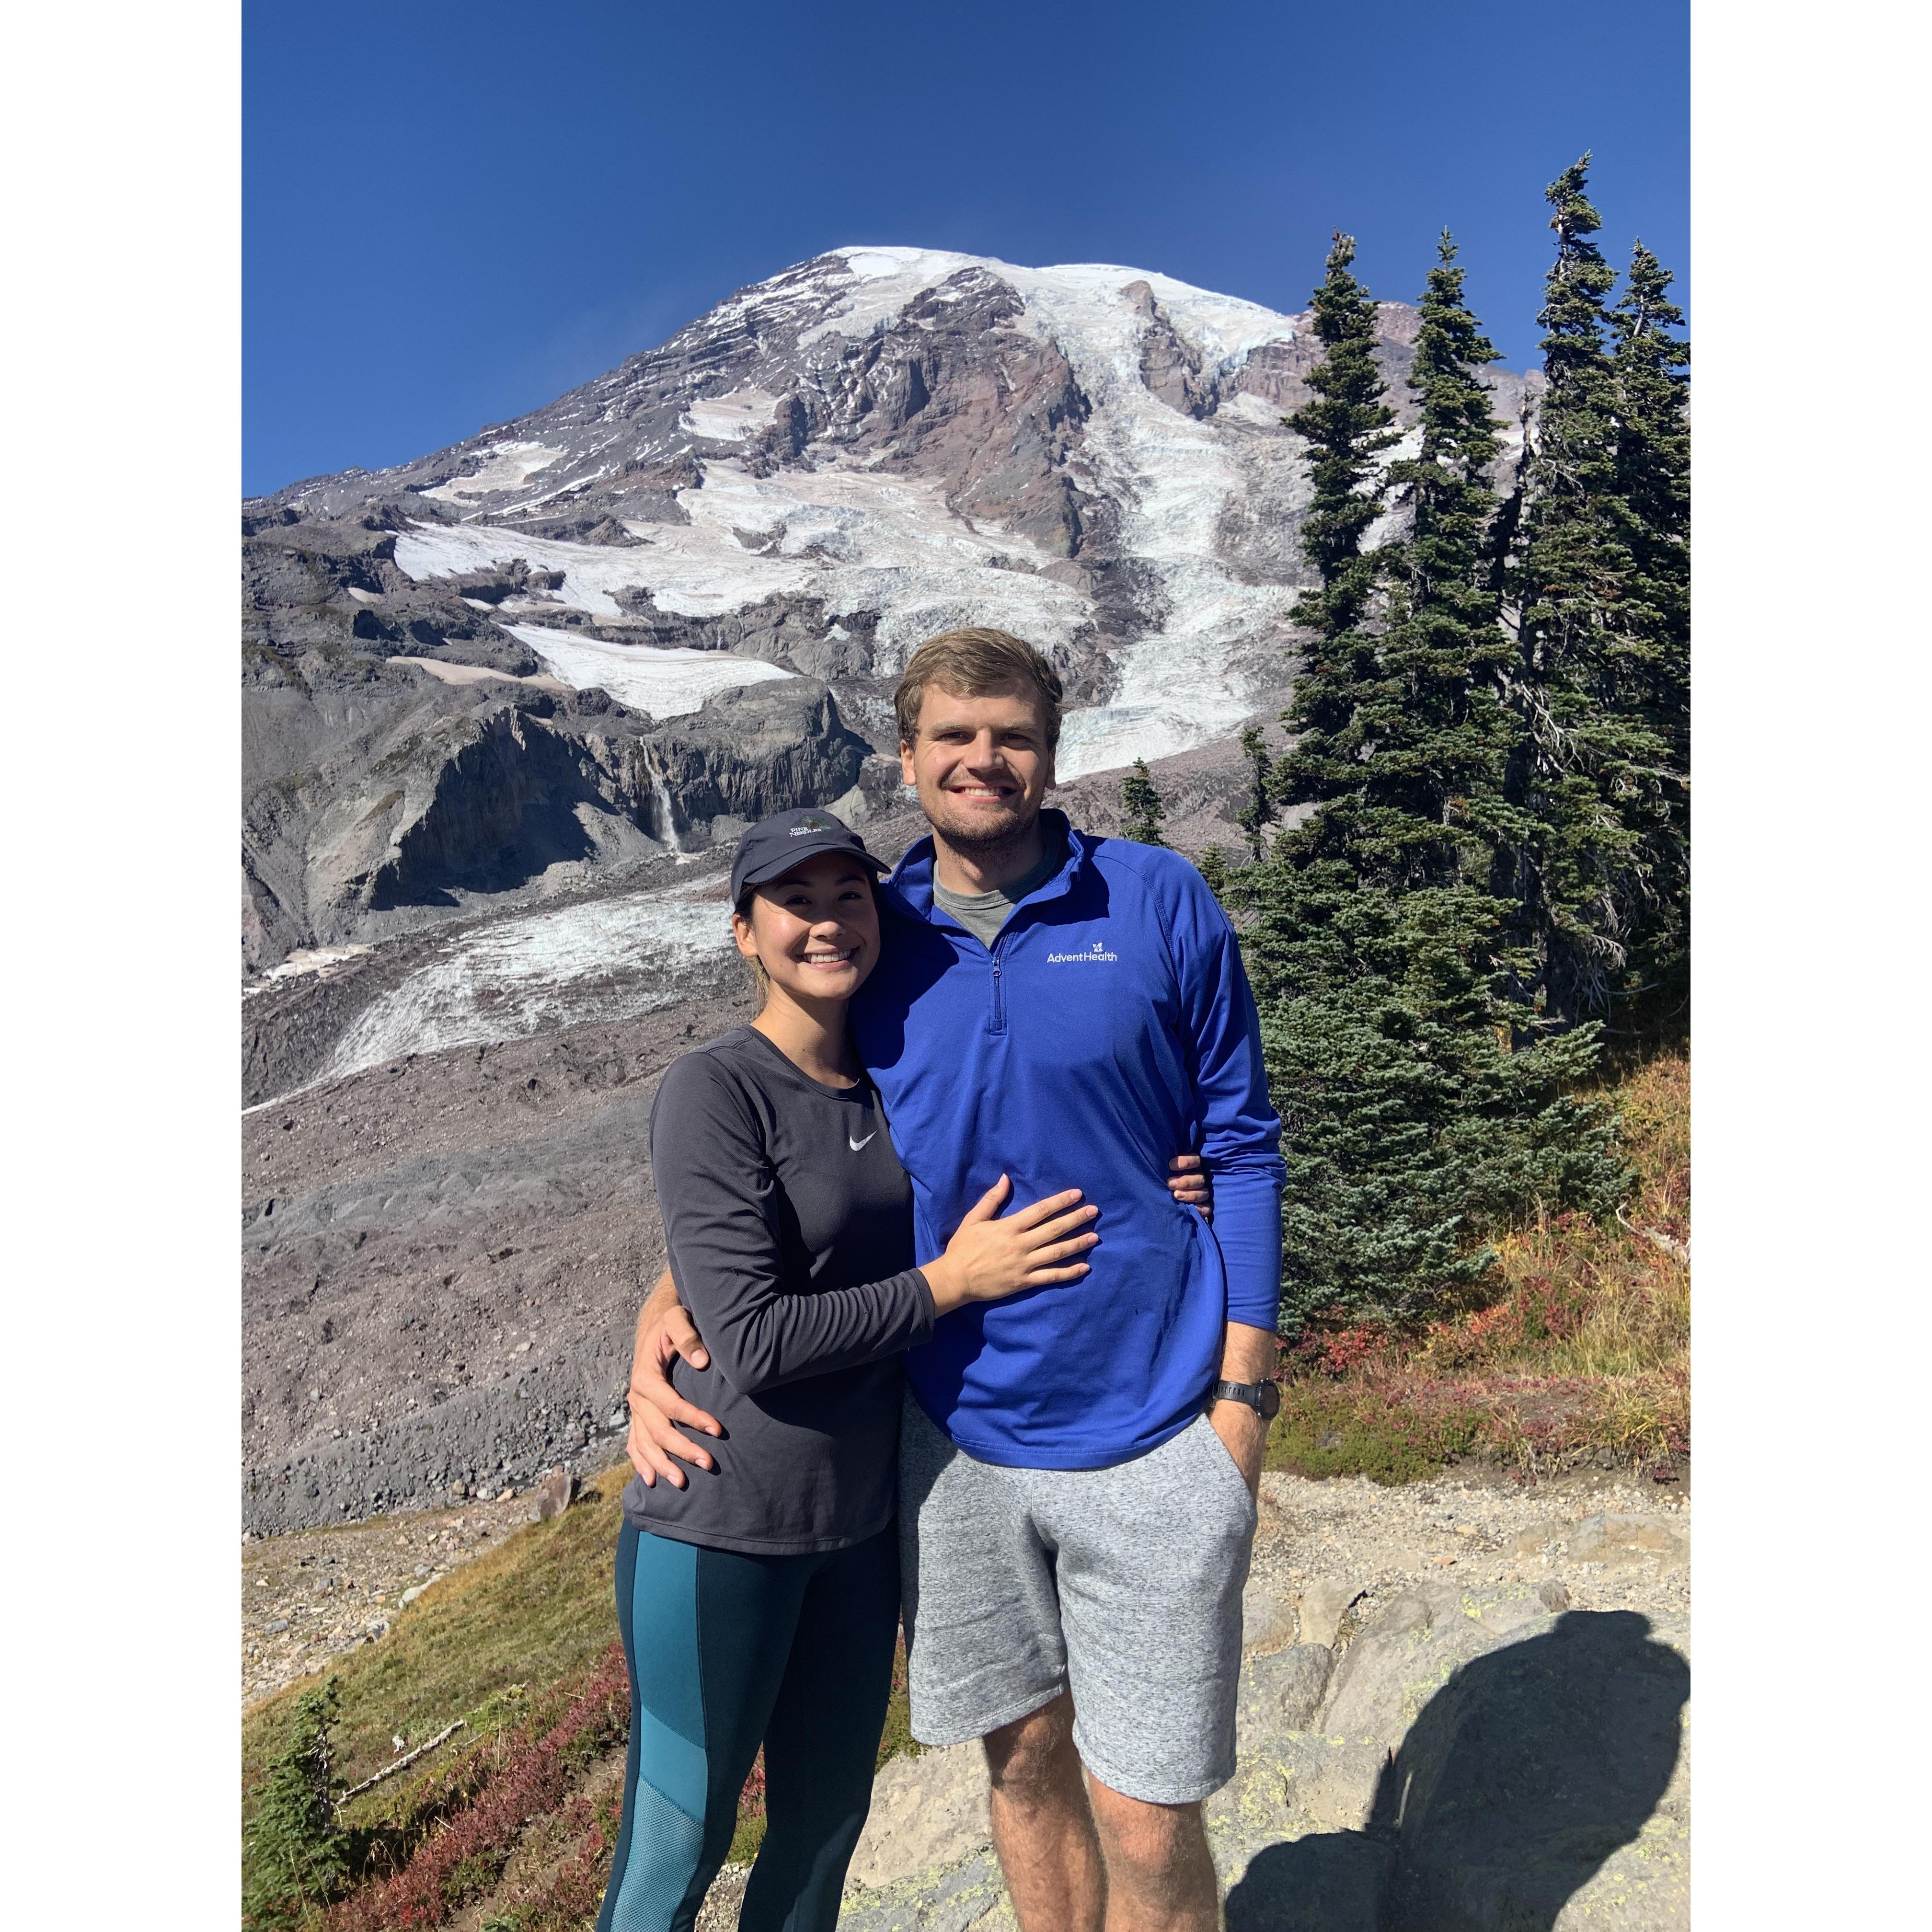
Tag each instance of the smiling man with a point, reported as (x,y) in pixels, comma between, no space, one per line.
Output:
(1077,1467)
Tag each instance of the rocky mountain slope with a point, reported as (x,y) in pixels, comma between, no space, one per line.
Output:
(676,598)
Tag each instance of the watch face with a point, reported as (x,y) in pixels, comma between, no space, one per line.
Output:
(1270,1401)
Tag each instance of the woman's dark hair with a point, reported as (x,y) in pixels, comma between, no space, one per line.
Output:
(761,980)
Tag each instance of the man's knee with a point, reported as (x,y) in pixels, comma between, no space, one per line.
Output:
(1159,1843)
(1034,1755)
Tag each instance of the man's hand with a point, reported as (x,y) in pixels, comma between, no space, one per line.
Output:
(1247,1355)
(1190,1184)
(665,1330)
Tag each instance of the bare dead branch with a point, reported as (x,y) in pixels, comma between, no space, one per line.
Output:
(402,1763)
(1677,1251)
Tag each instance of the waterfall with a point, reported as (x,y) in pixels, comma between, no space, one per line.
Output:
(666,815)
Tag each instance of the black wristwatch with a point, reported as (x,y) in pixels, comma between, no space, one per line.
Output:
(1263,1398)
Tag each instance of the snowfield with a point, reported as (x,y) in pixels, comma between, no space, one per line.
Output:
(666,683)
(508,466)
(858,540)
(609,960)
(729,418)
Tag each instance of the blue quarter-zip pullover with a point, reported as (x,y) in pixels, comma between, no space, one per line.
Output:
(1110,1027)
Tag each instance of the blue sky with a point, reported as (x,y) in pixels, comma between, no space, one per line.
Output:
(454,210)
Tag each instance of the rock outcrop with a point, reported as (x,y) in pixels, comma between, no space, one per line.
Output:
(1468,1761)
(451,774)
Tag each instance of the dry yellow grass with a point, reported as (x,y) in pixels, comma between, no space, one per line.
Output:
(540,1606)
(1579,1340)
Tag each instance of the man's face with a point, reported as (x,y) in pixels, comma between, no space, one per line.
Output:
(981,764)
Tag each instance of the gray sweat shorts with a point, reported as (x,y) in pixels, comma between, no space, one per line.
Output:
(1123,1586)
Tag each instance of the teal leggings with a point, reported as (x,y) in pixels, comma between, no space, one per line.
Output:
(726,1652)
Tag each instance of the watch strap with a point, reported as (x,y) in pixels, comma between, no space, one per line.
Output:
(1253,1395)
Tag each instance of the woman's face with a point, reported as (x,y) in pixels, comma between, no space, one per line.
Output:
(815,931)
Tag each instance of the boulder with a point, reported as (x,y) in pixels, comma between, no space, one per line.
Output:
(1544,1784)
(928,1812)
(1325,1882)
(1267,1622)
(1282,1692)
(1321,1607)
(554,1494)
(1615,1539)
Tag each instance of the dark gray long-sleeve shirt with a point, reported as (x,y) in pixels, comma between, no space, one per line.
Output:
(790,1224)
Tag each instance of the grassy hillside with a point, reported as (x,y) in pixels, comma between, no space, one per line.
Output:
(520,1807)
(531,1612)
(1577,1349)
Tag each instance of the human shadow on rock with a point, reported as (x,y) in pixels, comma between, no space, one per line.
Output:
(1521,1777)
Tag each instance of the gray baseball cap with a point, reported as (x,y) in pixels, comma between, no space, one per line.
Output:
(774,845)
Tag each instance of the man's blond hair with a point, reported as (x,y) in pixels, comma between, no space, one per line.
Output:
(975,663)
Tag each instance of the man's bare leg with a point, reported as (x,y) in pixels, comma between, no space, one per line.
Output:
(1160,1875)
(1043,1824)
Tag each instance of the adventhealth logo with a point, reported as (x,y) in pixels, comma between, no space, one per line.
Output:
(1096,953)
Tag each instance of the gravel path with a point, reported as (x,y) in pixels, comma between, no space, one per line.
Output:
(313,1594)
(1470,1527)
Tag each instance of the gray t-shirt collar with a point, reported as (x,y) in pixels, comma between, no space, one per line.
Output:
(983,914)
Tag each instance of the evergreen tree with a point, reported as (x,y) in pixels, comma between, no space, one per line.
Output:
(1597,785)
(1145,812)
(1371,933)
(1400,728)
(1258,810)
(1651,617)
(1346,427)
(296,1858)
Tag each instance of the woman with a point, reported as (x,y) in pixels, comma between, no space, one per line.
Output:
(759,1602)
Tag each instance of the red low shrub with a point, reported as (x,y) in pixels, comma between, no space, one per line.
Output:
(469,1850)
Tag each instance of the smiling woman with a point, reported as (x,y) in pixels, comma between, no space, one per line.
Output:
(759,1603)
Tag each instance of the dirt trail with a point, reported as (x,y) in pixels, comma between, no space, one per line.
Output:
(1470,1526)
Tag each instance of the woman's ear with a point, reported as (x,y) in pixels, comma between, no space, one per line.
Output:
(741,931)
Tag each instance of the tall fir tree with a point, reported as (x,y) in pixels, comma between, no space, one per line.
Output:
(1370,932)
(1597,784)
(1650,365)
(1346,427)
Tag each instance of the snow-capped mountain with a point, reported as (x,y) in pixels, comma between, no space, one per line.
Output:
(741,535)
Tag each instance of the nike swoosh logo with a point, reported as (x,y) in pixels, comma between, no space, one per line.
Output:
(857,1146)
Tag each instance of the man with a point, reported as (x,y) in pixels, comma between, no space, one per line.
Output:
(1064,1009)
